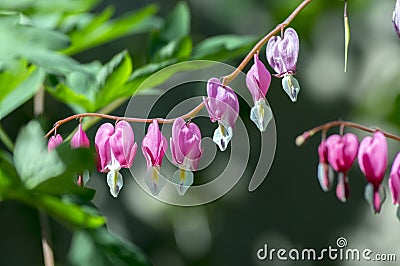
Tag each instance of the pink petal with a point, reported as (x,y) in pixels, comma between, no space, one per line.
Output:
(54,142)
(373,158)
(80,139)
(123,145)
(258,79)
(394,180)
(102,145)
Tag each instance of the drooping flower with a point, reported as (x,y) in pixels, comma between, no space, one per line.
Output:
(342,151)
(54,142)
(325,171)
(282,54)
(154,146)
(394,180)
(80,139)
(186,152)
(223,107)
(372,159)
(258,80)
(116,149)
(396,17)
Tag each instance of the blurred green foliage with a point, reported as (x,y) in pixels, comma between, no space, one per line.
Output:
(39,42)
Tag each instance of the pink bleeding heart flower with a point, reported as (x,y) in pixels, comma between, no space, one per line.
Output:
(325,171)
(116,149)
(223,106)
(394,180)
(80,140)
(154,146)
(396,17)
(54,142)
(342,151)
(258,80)
(373,159)
(186,152)
(282,54)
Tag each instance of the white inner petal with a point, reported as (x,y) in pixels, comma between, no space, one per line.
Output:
(182,180)
(291,86)
(115,182)
(222,136)
(154,180)
(261,114)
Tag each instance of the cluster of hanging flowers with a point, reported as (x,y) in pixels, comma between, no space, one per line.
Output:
(115,144)
(337,153)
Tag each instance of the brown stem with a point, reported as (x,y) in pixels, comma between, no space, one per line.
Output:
(191,114)
(47,250)
(227,79)
(324,127)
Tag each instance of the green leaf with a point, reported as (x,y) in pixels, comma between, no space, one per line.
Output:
(76,161)
(78,102)
(71,214)
(36,45)
(177,24)
(45,5)
(100,31)
(112,77)
(100,247)
(223,47)
(22,93)
(179,48)
(33,162)
(13,76)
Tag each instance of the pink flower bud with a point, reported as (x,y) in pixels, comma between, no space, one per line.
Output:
(80,139)
(373,158)
(54,142)
(396,17)
(282,53)
(258,80)
(186,144)
(116,149)
(154,145)
(394,180)
(342,151)
(223,106)
(325,172)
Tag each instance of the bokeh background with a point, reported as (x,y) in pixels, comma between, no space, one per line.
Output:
(289,210)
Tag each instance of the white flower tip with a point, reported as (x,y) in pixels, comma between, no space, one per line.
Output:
(261,115)
(115,182)
(154,181)
(222,136)
(291,86)
(182,179)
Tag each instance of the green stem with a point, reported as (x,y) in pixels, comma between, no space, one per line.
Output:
(6,139)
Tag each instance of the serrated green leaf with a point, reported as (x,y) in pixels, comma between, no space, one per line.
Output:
(99,33)
(177,24)
(22,93)
(223,47)
(100,247)
(69,213)
(33,162)
(112,77)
